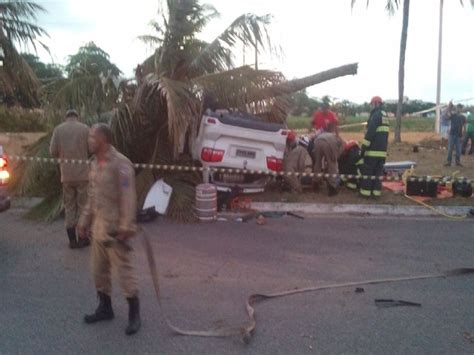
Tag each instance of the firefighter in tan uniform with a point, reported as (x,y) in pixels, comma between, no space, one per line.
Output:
(328,146)
(297,160)
(111,210)
(69,141)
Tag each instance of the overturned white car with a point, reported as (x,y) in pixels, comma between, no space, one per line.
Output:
(239,141)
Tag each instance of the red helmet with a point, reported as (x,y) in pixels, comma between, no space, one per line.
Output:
(376,100)
(291,136)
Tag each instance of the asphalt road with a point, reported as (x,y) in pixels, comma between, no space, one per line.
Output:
(207,271)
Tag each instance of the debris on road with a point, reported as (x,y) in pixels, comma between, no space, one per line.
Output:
(359,290)
(261,220)
(294,215)
(469,336)
(385,303)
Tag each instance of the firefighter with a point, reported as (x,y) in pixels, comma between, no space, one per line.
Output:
(69,141)
(374,150)
(297,160)
(349,163)
(328,146)
(111,210)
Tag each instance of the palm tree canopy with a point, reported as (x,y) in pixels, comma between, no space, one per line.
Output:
(17,19)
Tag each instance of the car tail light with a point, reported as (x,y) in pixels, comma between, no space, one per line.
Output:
(284,133)
(212,155)
(274,164)
(3,163)
(4,176)
(211,121)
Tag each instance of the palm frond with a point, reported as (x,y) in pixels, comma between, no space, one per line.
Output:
(185,19)
(17,77)
(247,29)
(17,20)
(150,40)
(47,210)
(31,178)
(181,108)
(391,6)
(94,94)
(237,88)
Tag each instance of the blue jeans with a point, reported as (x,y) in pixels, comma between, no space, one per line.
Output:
(454,142)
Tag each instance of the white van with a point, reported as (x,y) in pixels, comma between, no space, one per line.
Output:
(240,141)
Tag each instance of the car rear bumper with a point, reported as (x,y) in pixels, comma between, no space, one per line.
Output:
(249,185)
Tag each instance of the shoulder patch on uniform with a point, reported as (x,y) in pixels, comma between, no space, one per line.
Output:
(124,172)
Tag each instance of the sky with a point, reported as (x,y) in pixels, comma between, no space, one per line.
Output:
(314,35)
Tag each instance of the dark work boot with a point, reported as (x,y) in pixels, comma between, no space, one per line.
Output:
(103,312)
(83,242)
(71,234)
(134,321)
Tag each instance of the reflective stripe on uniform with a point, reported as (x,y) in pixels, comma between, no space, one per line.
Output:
(383,129)
(351,186)
(375,154)
(377,193)
(364,192)
(366,143)
(360,162)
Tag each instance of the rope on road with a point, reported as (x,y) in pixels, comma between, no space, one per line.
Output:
(246,331)
(210,169)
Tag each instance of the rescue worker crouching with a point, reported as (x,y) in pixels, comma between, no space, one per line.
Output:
(328,146)
(374,150)
(349,163)
(111,210)
(297,160)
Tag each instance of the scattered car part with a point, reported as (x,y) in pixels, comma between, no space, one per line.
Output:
(385,303)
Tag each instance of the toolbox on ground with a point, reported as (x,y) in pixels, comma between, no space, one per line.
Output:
(462,188)
(421,186)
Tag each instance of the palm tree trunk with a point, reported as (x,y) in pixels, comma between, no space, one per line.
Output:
(401,70)
(292,86)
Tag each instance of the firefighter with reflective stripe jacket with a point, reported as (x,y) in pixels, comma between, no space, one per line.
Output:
(374,150)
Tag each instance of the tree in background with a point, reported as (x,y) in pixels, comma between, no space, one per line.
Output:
(91,84)
(18,83)
(303,105)
(44,72)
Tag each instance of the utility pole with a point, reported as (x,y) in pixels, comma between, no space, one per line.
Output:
(438,85)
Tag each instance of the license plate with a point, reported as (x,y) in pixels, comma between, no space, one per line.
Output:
(245,153)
